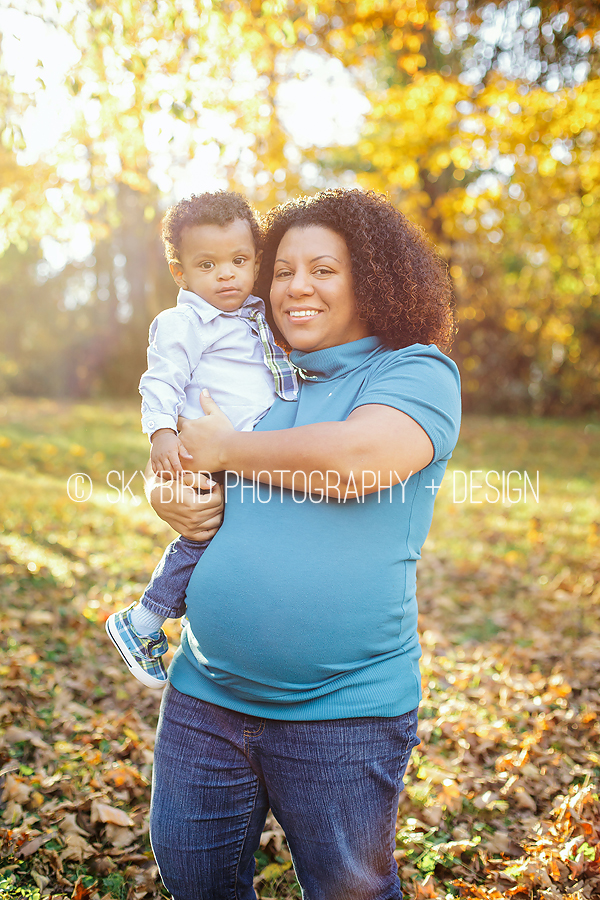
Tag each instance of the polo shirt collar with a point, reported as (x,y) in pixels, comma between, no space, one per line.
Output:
(207,312)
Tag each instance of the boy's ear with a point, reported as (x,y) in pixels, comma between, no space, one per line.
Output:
(257,263)
(176,270)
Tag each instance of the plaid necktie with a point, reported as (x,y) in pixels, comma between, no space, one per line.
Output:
(284,373)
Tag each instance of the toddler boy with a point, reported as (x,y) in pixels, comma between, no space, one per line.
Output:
(216,338)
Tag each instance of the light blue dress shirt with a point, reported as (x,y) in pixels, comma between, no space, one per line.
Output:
(195,345)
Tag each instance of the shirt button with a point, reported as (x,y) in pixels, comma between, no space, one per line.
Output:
(151,424)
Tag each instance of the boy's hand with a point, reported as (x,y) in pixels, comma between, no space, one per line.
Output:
(167,452)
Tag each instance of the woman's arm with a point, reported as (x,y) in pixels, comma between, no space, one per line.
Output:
(195,516)
(376,446)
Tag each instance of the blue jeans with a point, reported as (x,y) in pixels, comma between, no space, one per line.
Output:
(167,587)
(333,786)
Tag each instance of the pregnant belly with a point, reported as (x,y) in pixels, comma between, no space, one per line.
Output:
(246,628)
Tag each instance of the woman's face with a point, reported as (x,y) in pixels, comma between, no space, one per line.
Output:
(312,293)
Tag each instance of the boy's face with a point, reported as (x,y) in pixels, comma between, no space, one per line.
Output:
(217,262)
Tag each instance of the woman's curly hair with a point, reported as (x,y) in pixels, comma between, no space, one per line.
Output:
(210,208)
(401,285)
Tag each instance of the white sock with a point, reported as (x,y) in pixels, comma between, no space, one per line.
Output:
(145,621)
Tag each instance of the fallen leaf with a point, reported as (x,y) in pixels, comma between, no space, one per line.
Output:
(425,890)
(34,845)
(41,881)
(271,872)
(524,800)
(77,848)
(16,789)
(15,735)
(102,812)
(119,836)
(68,825)
(433,815)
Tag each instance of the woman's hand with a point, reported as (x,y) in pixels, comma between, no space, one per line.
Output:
(197,516)
(207,437)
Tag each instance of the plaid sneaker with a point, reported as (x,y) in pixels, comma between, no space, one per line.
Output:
(142,654)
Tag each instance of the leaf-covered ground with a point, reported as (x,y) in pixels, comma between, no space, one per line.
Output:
(502,794)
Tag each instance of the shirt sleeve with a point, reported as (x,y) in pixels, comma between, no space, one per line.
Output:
(423,383)
(174,350)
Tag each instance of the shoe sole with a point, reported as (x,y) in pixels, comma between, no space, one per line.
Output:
(133,666)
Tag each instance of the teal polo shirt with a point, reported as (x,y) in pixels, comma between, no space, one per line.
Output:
(304,607)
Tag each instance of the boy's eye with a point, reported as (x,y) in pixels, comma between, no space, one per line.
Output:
(206,264)
(239,260)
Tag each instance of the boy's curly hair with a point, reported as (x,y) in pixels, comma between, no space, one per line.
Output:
(210,208)
(401,285)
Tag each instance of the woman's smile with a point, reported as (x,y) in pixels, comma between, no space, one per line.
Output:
(302,313)
(312,293)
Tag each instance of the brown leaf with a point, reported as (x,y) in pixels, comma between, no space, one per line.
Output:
(13,812)
(433,815)
(104,865)
(40,617)
(16,789)
(524,800)
(14,735)
(41,881)
(101,812)
(32,846)
(77,848)
(68,825)
(79,891)
(118,836)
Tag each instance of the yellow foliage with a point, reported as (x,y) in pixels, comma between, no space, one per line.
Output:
(513,319)
(547,166)
(136,181)
(503,175)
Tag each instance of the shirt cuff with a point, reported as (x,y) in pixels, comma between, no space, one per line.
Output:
(153,421)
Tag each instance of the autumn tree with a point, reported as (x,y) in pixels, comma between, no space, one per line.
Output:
(152,86)
(483,127)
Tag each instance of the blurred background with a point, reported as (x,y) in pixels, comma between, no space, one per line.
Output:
(479,119)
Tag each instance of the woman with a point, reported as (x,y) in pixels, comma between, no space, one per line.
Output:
(296,685)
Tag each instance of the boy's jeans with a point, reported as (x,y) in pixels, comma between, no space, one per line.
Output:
(333,786)
(167,587)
